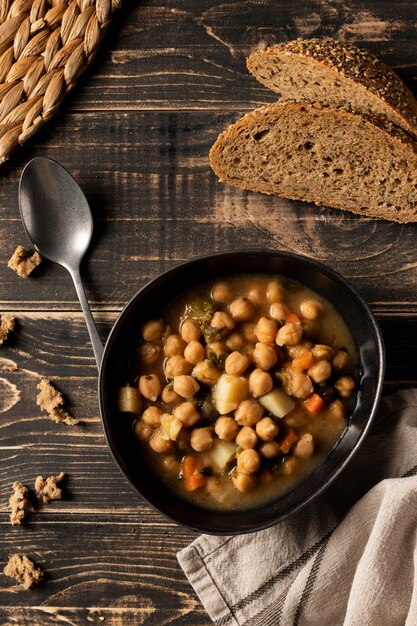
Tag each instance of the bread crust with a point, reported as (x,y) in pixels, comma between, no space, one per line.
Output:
(360,68)
(374,123)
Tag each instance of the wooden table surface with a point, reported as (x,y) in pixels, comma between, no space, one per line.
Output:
(136,135)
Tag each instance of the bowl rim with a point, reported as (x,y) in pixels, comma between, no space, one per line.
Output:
(380,354)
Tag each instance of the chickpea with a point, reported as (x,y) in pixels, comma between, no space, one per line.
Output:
(152,416)
(341,360)
(242,310)
(150,386)
(142,430)
(266,330)
(305,446)
(266,429)
(275,291)
(289,335)
(190,330)
(187,413)
(169,396)
(336,410)
(153,330)
(289,465)
(248,461)
(246,438)
(234,342)
(248,332)
(171,464)
(260,382)
(201,439)
(270,449)
(299,349)
(345,386)
(222,320)
(185,386)
(311,309)
(236,363)
(194,352)
(177,366)
(149,352)
(206,372)
(320,371)
(279,311)
(265,356)
(321,351)
(226,428)
(174,345)
(301,385)
(248,413)
(159,444)
(222,292)
(243,482)
(257,296)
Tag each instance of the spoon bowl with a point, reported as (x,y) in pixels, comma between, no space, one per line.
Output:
(58,221)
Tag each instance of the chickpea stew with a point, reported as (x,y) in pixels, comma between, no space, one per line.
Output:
(240,389)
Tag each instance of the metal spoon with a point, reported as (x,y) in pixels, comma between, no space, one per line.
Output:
(58,221)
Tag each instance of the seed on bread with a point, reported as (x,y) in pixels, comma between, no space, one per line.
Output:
(338,74)
(334,157)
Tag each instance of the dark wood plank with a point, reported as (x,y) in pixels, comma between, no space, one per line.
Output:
(32,444)
(156,202)
(124,570)
(136,133)
(192,55)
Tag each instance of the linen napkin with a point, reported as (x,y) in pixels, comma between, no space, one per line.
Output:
(349,559)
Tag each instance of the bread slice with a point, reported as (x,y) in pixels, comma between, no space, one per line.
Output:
(311,152)
(338,74)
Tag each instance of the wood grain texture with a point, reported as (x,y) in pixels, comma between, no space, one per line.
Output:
(136,133)
(156,202)
(184,55)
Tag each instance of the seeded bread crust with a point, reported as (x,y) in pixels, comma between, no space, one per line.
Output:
(373,125)
(383,90)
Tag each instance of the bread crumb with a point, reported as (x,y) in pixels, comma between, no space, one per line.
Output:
(19,503)
(21,568)
(23,262)
(48,489)
(51,401)
(6,326)
(10,366)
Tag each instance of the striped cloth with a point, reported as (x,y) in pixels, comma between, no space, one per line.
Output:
(349,559)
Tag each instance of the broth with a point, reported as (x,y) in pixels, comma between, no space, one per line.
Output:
(240,389)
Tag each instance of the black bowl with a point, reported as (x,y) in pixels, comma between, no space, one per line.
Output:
(148,302)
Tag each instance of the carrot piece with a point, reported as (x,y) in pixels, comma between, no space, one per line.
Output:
(190,469)
(292,318)
(190,465)
(191,483)
(303,362)
(290,439)
(314,403)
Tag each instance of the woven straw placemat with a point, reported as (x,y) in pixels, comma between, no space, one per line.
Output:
(45,45)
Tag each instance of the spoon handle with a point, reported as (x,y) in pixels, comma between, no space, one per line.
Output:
(91,326)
